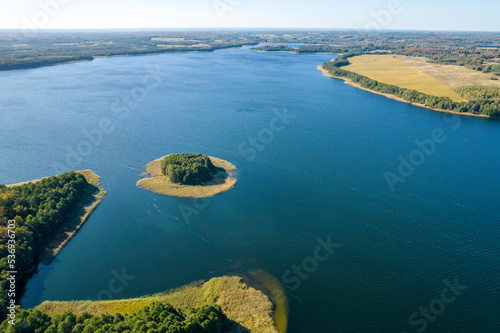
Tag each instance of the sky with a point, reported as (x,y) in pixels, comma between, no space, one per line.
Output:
(464,15)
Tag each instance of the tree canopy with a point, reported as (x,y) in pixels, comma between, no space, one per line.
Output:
(38,209)
(188,169)
(155,318)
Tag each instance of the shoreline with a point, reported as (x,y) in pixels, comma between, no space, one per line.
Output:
(399,99)
(248,308)
(53,246)
(272,288)
(291,52)
(125,55)
(49,65)
(155,181)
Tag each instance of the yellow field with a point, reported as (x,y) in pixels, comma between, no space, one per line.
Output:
(388,69)
(452,76)
(243,304)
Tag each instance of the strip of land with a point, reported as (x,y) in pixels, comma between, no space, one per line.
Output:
(56,243)
(159,183)
(249,308)
(357,85)
(52,246)
(394,78)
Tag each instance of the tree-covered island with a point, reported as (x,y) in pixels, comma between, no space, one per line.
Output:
(188,176)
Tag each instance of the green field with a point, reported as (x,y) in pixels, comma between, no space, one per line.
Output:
(388,69)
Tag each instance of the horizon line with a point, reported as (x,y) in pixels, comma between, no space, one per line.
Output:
(159,29)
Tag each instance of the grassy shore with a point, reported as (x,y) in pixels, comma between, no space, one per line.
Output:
(159,183)
(271,286)
(249,308)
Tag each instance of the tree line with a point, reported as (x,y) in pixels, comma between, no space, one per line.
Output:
(155,318)
(478,105)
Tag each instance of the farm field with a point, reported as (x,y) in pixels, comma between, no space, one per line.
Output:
(452,76)
(388,69)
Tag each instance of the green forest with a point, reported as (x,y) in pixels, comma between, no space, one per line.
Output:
(481,100)
(38,209)
(188,169)
(479,92)
(475,50)
(155,318)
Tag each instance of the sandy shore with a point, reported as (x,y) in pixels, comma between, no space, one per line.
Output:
(159,183)
(357,85)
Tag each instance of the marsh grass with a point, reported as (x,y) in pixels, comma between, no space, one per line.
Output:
(249,308)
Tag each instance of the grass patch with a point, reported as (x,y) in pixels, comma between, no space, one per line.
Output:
(250,308)
(389,70)
(159,183)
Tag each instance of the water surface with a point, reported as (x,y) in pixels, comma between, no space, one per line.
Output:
(320,176)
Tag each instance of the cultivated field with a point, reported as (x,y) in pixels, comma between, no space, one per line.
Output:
(388,69)
(452,76)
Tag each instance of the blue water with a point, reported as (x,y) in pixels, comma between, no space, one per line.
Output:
(320,175)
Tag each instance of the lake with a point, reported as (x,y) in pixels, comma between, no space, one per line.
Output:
(313,155)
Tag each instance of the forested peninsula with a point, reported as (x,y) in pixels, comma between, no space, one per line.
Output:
(36,220)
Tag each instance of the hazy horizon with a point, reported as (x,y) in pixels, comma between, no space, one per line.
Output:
(409,15)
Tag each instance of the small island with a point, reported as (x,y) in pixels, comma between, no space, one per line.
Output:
(188,176)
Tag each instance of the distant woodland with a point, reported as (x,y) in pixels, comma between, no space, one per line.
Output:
(475,50)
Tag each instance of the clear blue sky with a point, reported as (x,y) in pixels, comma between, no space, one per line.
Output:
(406,14)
